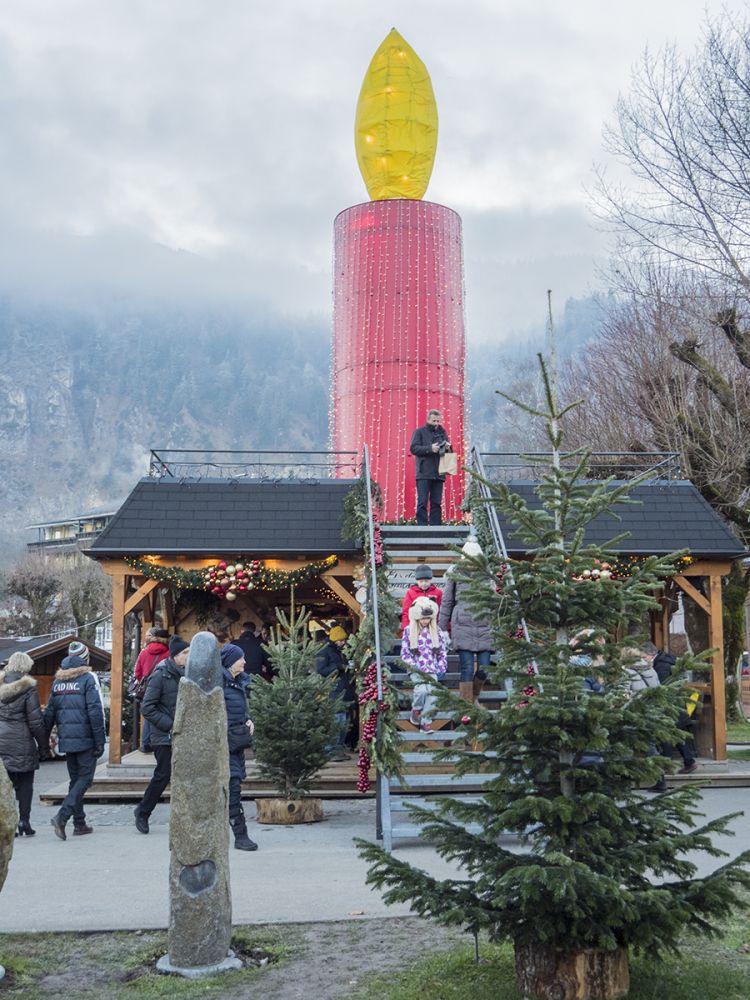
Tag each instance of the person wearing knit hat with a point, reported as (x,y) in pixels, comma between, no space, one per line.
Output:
(177,645)
(423,649)
(23,736)
(239,732)
(330,663)
(75,707)
(471,635)
(159,707)
(154,651)
(422,587)
(80,649)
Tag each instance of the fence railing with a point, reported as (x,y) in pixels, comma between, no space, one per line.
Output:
(506,465)
(274,466)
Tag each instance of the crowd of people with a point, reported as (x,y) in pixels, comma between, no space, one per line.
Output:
(432,620)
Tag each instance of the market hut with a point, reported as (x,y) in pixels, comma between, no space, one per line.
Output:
(191,552)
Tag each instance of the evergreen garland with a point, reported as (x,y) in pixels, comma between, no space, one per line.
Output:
(379,745)
(228,578)
(600,864)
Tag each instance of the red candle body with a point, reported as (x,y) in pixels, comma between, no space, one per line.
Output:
(398,340)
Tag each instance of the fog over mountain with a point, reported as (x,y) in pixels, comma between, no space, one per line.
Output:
(86,390)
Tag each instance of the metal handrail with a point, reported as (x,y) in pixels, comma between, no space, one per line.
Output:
(382,787)
(232,463)
(663,464)
(494,521)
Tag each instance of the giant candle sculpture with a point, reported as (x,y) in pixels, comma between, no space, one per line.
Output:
(398,328)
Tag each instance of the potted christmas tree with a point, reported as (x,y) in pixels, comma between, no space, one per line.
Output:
(294,718)
(602,866)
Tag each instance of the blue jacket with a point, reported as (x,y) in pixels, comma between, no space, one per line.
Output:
(75,707)
(235,699)
(160,701)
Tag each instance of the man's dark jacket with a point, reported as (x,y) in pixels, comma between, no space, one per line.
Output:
(331,661)
(663,663)
(428,460)
(75,707)
(160,701)
(257,660)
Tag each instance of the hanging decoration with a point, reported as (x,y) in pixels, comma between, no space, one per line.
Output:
(229,579)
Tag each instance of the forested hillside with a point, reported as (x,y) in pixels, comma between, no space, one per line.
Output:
(85,393)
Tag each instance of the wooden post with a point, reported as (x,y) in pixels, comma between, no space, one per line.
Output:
(119,587)
(718,694)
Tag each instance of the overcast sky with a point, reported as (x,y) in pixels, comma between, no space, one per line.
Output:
(200,149)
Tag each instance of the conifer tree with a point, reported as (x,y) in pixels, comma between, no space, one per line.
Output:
(599,863)
(294,714)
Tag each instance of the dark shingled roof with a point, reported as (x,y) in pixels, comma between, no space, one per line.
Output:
(221,516)
(671,515)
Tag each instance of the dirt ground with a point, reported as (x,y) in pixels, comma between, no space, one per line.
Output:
(321,960)
(334,958)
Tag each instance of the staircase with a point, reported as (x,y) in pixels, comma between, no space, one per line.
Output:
(408,546)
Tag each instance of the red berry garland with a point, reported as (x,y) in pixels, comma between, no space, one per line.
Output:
(369,695)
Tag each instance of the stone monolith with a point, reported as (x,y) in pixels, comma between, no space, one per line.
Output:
(8,823)
(200,905)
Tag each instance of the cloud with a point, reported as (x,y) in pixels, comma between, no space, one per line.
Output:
(203,149)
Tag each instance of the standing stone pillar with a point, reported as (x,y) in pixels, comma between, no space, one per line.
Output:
(8,822)
(200,904)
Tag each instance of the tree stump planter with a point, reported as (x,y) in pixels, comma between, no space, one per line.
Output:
(288,811)
(544,973)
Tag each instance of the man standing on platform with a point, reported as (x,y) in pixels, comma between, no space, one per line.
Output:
(428,443)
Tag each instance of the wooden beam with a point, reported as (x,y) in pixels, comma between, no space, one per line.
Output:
(118,657)
(340,591)
(135,599)
(692,593)
(718,694)
(707,567)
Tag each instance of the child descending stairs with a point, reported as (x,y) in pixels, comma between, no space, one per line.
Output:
(410,550)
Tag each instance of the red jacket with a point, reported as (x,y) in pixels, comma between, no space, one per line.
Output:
(434,593)
(151,654)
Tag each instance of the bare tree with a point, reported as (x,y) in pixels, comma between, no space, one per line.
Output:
(36,579)
(682,133)
(86,592)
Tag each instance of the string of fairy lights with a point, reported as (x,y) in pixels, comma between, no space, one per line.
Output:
(398,345)
(229,579)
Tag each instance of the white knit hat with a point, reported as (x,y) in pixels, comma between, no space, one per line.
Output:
(471,547)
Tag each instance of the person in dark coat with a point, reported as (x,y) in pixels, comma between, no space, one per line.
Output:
(235,698)
(257,660)
(23,737)
(155,650)
(330,662)
(159,704)
(75,708)
(428,443)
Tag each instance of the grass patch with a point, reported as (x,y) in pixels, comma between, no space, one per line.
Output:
(121,965)
(740,754)
(455,976)
(738,732)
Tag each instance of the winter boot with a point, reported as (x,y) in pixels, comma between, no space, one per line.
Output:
(24,827)
(239,828)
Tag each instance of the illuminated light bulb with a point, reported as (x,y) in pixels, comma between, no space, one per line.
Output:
(397,111)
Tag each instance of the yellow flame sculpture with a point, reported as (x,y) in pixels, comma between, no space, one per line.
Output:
(395,131)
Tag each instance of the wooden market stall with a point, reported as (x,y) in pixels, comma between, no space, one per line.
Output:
(283,540)
(671,516)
